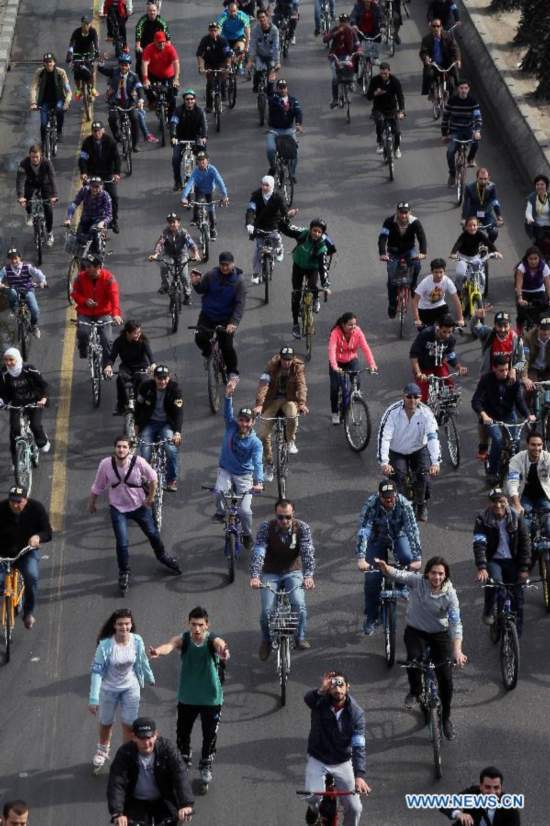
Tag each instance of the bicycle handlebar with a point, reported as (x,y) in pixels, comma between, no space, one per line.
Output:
(276,418)
(205,203)
(21,553)
(267,587)
(434,378)
(327,793)
(19,406)
(440,69)
(484,257)
(90,323)
(509,586)
(158,443)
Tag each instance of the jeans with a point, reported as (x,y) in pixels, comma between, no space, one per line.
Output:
(44,110)
(83,334)
(440,645)
(378,548)
(30,300)
(287,408)
(452,147)
(28,567)
(297,600)
(160,430)
(335,380)
(317,12)
(392,266)
(144,518)
(224,481)
(344,780)
(419,463)
(210,723)
(496,436)
(271,148)
(432,315)
(505,570)
(128,700)
(538,504)
(225,341)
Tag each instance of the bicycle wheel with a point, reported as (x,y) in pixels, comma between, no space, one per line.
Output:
(388,155)
(357,423)
(214,383)
(230,543)
(390,623)
(86,101)
(545,579)
(309,329)
(23,336)
(509,655)
(127,152)
(205,243)
(266,275)
(218,111)
(284,655)
(261,107)
(53,141)
(347,102)
(232,90)
(38,239)
(435,731)
(286,185)
(130,427)
(453,442)
(72,272)
(281,464)
(7,627)
(23,465)
(546,430)
(174,312)
(366,75)
(460,177)
(95,377)
(436,102)
(390,38)
(162,124)
(157,503)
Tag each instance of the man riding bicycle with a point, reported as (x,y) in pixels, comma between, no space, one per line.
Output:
(84,42)
(161,64)
(285,118)
(399,237)
(204,179)
(175,242)
(432,351)
(125,91)
(95,294)
(480,201)
(188,123)
(461,121)
(235,28)
(388,104)
(287,10)
(97,210)
(50,89)
(36,174)
(213,54)
(99,158)
(18,278)
(441,48)
(430,296)
(265,211)
(264,51)
(528,481)
(147,26)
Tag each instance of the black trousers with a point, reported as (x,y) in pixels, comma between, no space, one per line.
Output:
(379,119)
(127,377)
(419,463)
(298,275)
(440,645)
(225,340)
(35,421)
(433,314)
(114,125)
(210,722)
(145,810)
(48,211)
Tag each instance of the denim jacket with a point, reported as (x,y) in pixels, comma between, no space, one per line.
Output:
(101,661)
(376,522)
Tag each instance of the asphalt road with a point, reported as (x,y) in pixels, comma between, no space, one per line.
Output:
(48,738)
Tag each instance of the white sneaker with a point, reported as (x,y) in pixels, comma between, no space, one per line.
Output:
(28,220)
(206,775)
(268,473)
(279,254)
(256,278)
(379,149)
(292,447)
(397,153)
(46,448)
(50,240)
(100,757)
(316,306)
(35,330)
(335,418)
(293,41)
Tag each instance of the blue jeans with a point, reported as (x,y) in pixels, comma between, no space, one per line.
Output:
(160,430)
(28,566)
(297,600)
(378,548)
(505,570)
(224,482)
(392,266)
(30,300)
(496,436)
(144,518)
(44,110)
(452,146)
(271,147)
(537,504)
(336,380)
(127,700)
(317,12)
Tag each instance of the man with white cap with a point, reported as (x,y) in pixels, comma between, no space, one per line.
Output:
(265,211)
(22,384)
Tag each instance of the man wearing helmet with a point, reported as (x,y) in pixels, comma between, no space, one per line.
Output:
(203,180)
(96,296)
(175,243)
(96,208)
(99,157)
(50,89)
(188,123)
(213,52)
(125,91)
(399,237)
(266,209)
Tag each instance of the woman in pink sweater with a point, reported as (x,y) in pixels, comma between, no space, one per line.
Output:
(346,338)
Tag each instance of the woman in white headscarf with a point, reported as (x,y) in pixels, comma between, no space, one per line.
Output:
(265,211)
(22,384)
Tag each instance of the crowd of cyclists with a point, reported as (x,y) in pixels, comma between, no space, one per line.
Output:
(149,775)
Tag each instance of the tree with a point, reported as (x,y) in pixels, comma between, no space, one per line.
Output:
(505,5)
(531,13)
(542,92)
(535,17)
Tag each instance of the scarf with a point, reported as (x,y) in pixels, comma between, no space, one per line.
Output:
(13,352)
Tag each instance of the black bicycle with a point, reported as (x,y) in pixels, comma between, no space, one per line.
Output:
(511,439)
(40,235)
(261,100)
(94,355)
(125,131)
(286,154)
(203,223)
(215,368)
(354,410)
(179,288)
(83,71)
(160,93)
(504,628)
(541,549)
(280,450)
(27,454)
(267,257)
(49,144)
(23,324)
(216,92)
(388,138)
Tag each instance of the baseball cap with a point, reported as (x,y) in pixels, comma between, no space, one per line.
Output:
(161,371)
(97,124)
(48,56)
(17,492)
(282,82)
(544,323)
(386,487)
(245,413)
(502,318)
(403,206)
(412,389)
(497,493)
(144,727)
(84,19)
(172,217)
(286,352)
(226,257)
(159,37)
(12,253)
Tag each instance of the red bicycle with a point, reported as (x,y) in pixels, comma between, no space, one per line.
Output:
(328,810)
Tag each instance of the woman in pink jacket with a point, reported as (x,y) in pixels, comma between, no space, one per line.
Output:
(346,338)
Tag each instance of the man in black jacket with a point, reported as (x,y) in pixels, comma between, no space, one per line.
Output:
(148,779)
(441,48)
(20,384)
(399,237)
(159,415)
(99,156)
(36,174)
(265,211)
(388,103)
(23,522)
(502,551)
(188,123)
(490,783)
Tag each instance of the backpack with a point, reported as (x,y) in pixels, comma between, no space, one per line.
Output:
(219,663)
(128,474)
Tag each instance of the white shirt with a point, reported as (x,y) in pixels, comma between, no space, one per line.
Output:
(120,674)
(403,435)
(432,295)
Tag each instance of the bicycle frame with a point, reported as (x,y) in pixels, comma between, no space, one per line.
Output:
(27,453)
(440,88)
(510,443)
(283,624)
(12,596)
(187,160)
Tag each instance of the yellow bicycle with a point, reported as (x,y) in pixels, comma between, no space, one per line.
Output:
(12,597)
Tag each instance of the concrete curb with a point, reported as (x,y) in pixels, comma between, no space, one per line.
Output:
(7,32)
(529,146)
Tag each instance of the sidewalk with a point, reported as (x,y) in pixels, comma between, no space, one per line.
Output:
(8,18)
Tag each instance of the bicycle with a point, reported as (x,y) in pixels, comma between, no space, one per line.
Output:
(158,462)
(232,80)
(232,529)
(401,279)
(326,19)
(261,100)
(285,38)
(443,400)
(267,258)
(27,454)
(344,76)
(439,89)
(283,624)
(541,546)
(78,246)
(215,367)
(388,139)
(179,289)
(280,449)
(216,93)
(203,208)
(354,410)
(187,159)
(23,324)
(510,445)
(83,65)
(12,598)
(475,286)
(95,356)
(308,297)
(328,809)
(49,145)
(389,26)
(460,167)
(541,409)
(161,108)
(366,59)
(40,235)
(125,131)
(504,628)
(286,154)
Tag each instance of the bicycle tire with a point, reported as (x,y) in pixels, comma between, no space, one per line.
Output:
(218,111)
(86,102)
(261,107)
(159,496)
(230,550)
(281,465)
(402,303)
(174,313)
(127,153)
(435,731)
(286,185)
(130,427)
(23,465)
(266,275)
(509,656)
(460,173)
(53,141)
(390,39)
(162,125)
(357,423)
(72,272)
(366,76)
(388,151)
(437,101)
(38,240)
(284,654)
(486,285)
(390,624)
(545,579)
(205,243)
(546,430)
(232,90)
(308,325)
(347,102)
(7,628)
(23,337)
(453,442)
(214,381)
(285,43)
(95,378)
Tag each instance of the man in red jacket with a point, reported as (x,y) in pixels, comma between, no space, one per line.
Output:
(96,296)
(161,64)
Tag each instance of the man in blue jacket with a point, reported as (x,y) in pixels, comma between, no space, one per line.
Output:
(285,118)
(203,180)
(336,744)
(241,463)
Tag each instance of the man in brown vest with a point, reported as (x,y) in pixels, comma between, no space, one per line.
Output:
(283,557)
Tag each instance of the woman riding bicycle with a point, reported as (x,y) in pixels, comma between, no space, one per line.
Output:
(469,246)
(532,285)
(537,214)
(346,338)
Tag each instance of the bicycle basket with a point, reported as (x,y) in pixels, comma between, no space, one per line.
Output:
(72,244)
(400,280)
(287,147)
(344,72)
(370,49)
(283,623)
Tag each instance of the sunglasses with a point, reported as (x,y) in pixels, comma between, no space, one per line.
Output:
(411,396)
(284,516)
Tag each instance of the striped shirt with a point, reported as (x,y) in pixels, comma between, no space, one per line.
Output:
(94,209)
(21,277)
(461,114)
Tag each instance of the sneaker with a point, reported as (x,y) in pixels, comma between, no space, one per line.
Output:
(488,619)
(151,138)
(392,312)
(471,164)
(316,306)
(422,512)
(397,153)
(247,541)
(335,418)
(410,701)
(50,239)
(206,775)
(171,487)
(35,330)
(256,279)
(303,645)
(265,650)
(213,234)
(379,148)
(279,254)
(333,104)
(369,628)
(115,227)
(136,149)
(451,181)
(292,447)
(28,621)
(170,562)
(293,41)
(312,817)
(449,729)
(123,581)
(46,448)
(296,331)
(94,92)
(28,221)
(100,757)
(268,473)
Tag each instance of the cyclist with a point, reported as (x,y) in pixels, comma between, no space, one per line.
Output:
(502,552)
(438,47)
(282,389)
(336,745)
(125,90)
(366,15)
(240,463)
(50,89)
(528,480)
(444,10)
(174,243)
(431,353)
(99,157)
(119,671)
(343,45)
(188,123)
(284,559)
(117,13)
(200,693)
(213,54)
(537,214)
(317,14)
(480,201)
(15,813)
(532,285)
(490,783)
(223,294)
(146,28)
(470,245)
(496,398)
(309,261)
(21,383)
(433,618)
(36,174)
(18,277)
(429,302)
(388,104)
(136,362)
(204,179)
(97,209)
(235,28)
(538,354)
(148,779)
(159,417)
(399,237)
(462,121)
(84,42)
(247,6)
(500,339)
(408,442)
(95,294)
(265,211)
(387,522)
(161,64)
(287,10)
(23,522)
(285,118)
(345,340)
(264,51)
